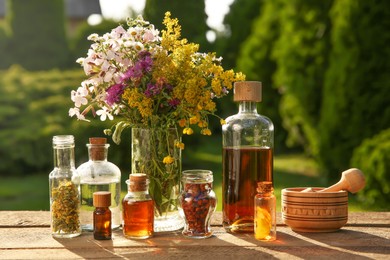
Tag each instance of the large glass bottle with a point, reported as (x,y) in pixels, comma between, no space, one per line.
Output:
(98,174)
(64,184)
(248,141)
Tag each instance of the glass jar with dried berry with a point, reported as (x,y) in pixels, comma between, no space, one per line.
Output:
(198,203)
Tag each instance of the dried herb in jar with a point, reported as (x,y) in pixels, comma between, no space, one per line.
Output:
(65,208)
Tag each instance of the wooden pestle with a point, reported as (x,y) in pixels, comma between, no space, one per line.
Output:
(352,180)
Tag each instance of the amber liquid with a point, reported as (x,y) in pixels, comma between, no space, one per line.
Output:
(242,169)
(138,218)
(102,224)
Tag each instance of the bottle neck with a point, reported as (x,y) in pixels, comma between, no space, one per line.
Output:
(247,107)
(64,157)
(97,152)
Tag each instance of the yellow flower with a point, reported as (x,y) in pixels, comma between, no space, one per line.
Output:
(202,124)
(205,131)
(168,159)
(223,122)
(179,145)
(188,131)
(194,120)
(182,122)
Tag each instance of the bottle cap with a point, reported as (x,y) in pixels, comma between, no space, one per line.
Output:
(97,147)
(247,91)
(102,199)
(138,182)
(265,187)
(63,140)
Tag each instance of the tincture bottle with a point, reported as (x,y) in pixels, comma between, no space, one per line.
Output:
(248,141)
(198,203)
(102,215)
(98,174)
(138,208)
(265,212)
(64,183)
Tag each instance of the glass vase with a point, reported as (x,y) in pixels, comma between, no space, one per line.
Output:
(154,152)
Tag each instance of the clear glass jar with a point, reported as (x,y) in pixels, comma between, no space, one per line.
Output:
(98,174)
(248,141)
(138,208)
(265,212)
(64,185)
(198,203)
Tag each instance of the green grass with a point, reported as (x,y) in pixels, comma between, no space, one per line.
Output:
(31,192)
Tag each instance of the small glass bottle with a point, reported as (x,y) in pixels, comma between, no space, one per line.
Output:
(64,184)
(138,208)
(98,174)
(102,215)
(265,212)
(248,141)
(198,203)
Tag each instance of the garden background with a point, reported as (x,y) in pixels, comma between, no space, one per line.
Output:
(324,65)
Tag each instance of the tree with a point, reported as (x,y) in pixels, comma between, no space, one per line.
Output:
(301,55)
(357,84)
(255,61)
(191,14)
(38,39)
(239,27)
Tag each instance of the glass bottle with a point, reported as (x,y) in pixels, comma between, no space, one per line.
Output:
(64,185)
(102,215)
(198,203)
(138,208)
(98,174)
(265,212)
(248,141)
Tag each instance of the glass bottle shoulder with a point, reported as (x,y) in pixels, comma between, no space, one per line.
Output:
(247,120)
(99,171)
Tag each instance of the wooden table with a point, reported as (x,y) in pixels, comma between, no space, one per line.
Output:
(26,235)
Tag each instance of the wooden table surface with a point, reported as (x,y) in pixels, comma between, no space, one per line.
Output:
(26,235)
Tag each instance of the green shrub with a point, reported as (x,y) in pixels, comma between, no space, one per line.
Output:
(355,103)
(38,37)
(373,158)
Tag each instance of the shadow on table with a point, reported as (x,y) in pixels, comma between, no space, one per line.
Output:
(171,245)
(87,247)
(288,245)
(346,239)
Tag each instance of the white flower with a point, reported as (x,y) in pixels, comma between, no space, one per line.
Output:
(93,37)
(79,96)
(76,112)
(104,113)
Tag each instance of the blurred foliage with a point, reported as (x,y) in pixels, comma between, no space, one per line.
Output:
(373,158)
(239,26)
(355,103)
(37,29)
(34,108)
(255,61)
(191,14)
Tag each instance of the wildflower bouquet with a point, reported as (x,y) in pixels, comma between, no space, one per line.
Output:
(151,81)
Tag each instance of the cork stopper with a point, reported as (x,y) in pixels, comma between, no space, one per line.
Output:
(265,187)
(102,199)
(97,146)
(138,182)
(247,91)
